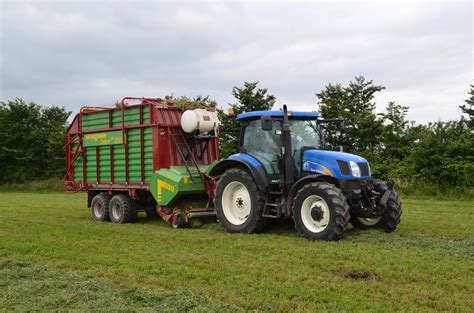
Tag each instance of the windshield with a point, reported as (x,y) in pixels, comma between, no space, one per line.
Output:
(305,133)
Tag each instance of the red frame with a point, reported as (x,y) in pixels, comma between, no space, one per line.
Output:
(164,118)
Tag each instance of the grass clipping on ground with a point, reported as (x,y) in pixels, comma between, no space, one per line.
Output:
(31,287)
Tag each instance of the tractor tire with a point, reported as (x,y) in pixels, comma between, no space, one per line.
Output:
(320,212)
(100,207)
(391,217)
(122,209)
(239,203)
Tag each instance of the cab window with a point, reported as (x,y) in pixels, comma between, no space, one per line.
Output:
(263,145)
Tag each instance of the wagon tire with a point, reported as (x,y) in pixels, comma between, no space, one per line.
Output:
(122,209)
(320,212)
(100,207)
(179,223)
(239,203)
(391,217)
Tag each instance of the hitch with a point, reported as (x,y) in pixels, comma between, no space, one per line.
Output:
(173,218)
(180,219)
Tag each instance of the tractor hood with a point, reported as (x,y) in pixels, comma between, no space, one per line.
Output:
(338,164)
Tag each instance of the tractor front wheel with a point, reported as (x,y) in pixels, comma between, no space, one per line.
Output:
(239,203)
(122,209)
(320,212)
(390,218)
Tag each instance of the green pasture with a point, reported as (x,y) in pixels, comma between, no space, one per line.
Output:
(53,256)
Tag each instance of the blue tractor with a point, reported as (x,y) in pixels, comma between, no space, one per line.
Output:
(283,171)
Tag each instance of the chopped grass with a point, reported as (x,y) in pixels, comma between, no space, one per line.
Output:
(427,264)
(30,287)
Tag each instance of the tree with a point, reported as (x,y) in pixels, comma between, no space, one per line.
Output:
(32,140)
(54,122)
(355,104)
(395,142)
(468,108)
(443,155)
(249,98)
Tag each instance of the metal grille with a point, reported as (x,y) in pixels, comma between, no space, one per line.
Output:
(364,168)
(344,167)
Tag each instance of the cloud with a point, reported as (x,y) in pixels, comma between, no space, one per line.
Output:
(83,53)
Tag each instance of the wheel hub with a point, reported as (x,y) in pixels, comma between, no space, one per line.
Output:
(317,213)
(239,202)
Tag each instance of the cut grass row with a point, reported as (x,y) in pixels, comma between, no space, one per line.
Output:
(427,264)
(26,287)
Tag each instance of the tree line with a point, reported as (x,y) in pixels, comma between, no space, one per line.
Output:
(439,153)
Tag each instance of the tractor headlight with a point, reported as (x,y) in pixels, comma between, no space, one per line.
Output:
(355,169)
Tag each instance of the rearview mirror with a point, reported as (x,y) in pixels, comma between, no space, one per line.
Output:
(267,123)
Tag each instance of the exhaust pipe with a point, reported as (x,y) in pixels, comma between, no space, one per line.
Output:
(287,150)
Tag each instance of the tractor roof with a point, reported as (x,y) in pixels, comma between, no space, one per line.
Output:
(277,113)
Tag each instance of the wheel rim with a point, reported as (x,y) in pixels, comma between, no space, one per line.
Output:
(369,221)
(236,203)
(116,211)
(99,210)
(308,208)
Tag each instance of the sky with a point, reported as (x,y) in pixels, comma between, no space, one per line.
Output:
(77,53)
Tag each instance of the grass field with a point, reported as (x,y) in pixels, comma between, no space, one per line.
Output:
(53,256)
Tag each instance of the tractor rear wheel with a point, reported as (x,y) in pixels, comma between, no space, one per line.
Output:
(391,216)
(320,211)
(122,209)
(239,203)
(100,207)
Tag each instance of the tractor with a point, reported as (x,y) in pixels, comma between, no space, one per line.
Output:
(283,171)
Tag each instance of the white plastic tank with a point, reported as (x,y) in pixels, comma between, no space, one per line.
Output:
(199,119)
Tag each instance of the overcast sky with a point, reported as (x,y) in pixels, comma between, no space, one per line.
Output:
(87,53)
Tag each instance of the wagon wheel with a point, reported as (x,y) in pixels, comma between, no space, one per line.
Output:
(178,222)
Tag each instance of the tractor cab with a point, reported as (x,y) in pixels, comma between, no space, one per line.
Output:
(261,138)
(261,133)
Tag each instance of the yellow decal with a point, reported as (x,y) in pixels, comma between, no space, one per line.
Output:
(186,179)
(96,136)
(162,184)
(102,139)
(327,171)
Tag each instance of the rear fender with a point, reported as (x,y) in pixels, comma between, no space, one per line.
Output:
(258,172)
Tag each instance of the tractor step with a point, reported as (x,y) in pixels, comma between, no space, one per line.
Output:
(270,216)
(272,210)
(275,192)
